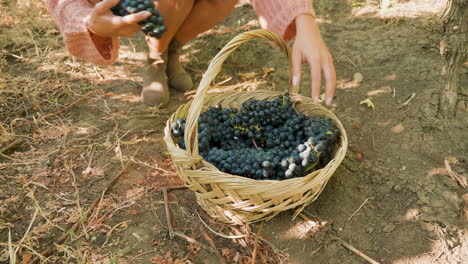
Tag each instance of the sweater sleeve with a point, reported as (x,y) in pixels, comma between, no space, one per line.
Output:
(71,16)
(278,15)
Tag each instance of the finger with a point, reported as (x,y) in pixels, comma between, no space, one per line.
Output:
(315,78)
(104,6)
(135,18)
(296,66)
(330,80)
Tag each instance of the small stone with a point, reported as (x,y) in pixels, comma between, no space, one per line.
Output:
(437,203)
(397,187)
(370,229)
(357,77)
(423,42)
(427,226)
(465,198)
(388,228)
(426,210)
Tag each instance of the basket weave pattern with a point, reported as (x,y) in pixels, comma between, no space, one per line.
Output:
(235,199)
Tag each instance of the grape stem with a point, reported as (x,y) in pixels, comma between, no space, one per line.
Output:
(255,143)
(313,165)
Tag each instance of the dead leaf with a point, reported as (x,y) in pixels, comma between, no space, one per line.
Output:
(227,253)
(266,71)
(75,215)
(52,32)
(240,66)
(87,171)
(158,259)
(93,172)
(356,126)
(452,159)
(169,256)
(247,75)
(359,156)
(459,178)
(321,98)
(369,103)
(222,31)
(26,258)
(135,193)
(11,199)
(193,248)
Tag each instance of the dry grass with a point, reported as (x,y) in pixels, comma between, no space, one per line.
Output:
(38,78)
(48,181)
(397,8)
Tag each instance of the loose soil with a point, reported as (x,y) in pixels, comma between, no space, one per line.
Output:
(392,197)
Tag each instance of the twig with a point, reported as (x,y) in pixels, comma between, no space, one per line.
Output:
(168,212)
(10,248)
(10,158)
(18,112)
(254,253)
(193,241)
(275,250)
(219,234)
(355,212)
(373,143)
(58,112)
(139,255)
(315,250)
(303,216)
(407,101)
(460,179)
(358,252)
(15,143)
(223,82)
(98,74)
(255,143)
(151,166)
(212,244)
(85,215)
(77,193)
(24,246)
(27,230)
(112,230)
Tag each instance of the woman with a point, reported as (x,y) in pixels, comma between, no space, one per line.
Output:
(92,32)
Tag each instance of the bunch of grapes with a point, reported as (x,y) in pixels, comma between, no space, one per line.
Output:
(263,139)
(153,25)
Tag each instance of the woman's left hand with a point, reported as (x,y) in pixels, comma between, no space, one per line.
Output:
(309,47)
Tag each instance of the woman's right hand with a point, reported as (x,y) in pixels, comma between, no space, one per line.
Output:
(104,23)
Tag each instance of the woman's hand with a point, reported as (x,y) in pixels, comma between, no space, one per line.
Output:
(309,47)
(105,24)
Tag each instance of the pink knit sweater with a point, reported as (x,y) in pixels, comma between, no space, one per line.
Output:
(70,15)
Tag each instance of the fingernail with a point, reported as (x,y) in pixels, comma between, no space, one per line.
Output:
(328,101)
(315,99)
(295,80)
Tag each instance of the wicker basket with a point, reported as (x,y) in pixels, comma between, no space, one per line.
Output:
(235,199)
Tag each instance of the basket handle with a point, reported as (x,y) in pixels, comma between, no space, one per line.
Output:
(191,126)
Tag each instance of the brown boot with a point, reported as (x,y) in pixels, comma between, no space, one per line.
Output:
(178,78)
(155,90)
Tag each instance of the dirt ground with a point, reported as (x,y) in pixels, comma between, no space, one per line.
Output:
(392,198)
